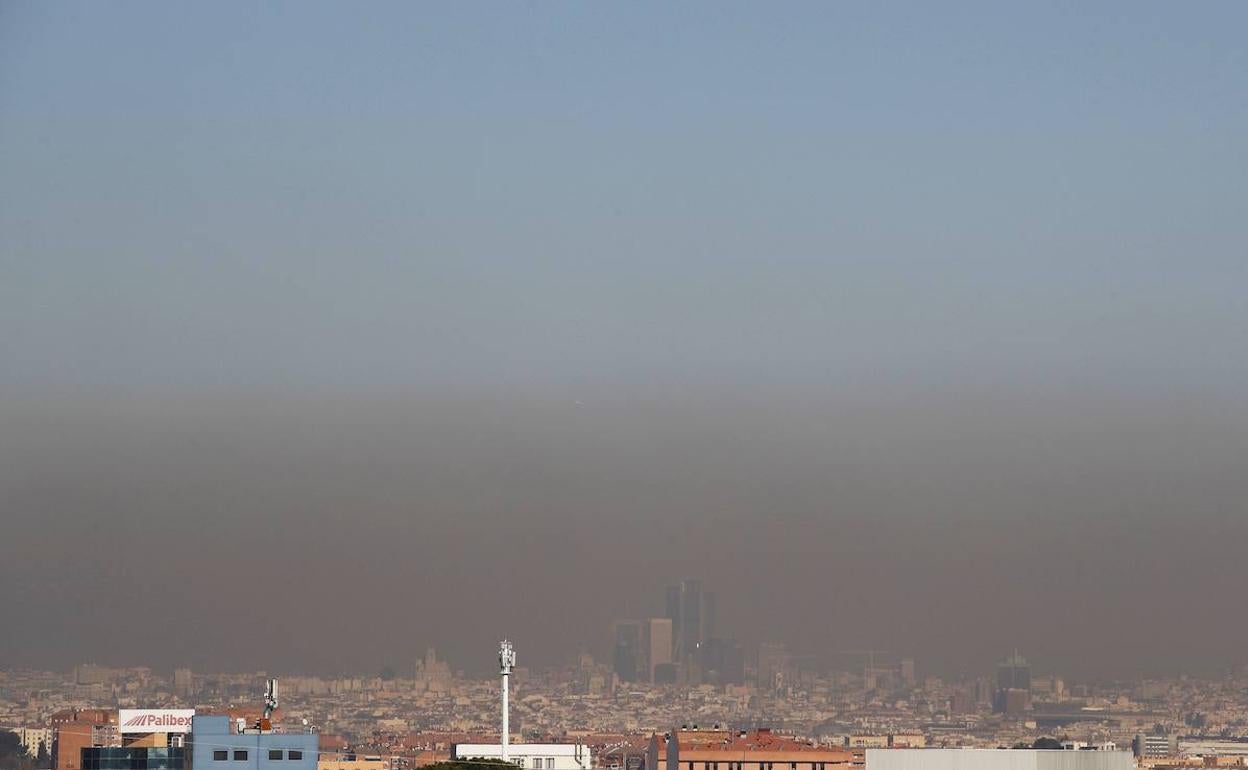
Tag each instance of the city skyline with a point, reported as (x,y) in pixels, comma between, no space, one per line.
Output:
(330,333)
(407,722)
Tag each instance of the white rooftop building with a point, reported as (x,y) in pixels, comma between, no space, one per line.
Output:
(997,759)
(530,756)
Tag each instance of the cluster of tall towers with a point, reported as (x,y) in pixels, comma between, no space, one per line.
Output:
(680,648)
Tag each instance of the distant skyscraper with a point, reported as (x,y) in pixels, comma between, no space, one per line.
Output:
(692,613)
(1013,695)
(657,644)
(907,672)
(687,619)
(1014,673)
(627,653)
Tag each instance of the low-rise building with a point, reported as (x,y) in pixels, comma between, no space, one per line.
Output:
(729,750)
(134,758)
(529,756)
(1155,746)
(997,759)
(352,762)
(77,729)
(217,744)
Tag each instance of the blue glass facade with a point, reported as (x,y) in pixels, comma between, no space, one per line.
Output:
(129,758)
(214,745)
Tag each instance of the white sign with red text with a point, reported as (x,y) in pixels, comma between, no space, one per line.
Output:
(155,720)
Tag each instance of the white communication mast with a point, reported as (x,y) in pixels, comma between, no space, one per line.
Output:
(506,662)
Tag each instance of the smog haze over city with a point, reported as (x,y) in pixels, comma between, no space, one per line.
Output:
(332,332)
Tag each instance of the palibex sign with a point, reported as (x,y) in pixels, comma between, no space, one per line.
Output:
(155,720)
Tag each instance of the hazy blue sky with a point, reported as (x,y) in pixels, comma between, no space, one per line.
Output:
(301,195)
(603,268)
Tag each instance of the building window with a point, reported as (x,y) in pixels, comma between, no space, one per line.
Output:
(550,763)
(219,756)
(292,754)
(275,753)
(240,756)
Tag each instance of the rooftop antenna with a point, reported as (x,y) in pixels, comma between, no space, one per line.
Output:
(506,662)
(265,723)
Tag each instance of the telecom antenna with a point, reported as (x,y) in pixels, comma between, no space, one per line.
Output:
(506,662)
(270,705)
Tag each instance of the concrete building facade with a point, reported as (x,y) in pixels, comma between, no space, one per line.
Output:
(529,756)
(657,644)
(78,729)
(33,737)
(216,744)
(729,750)
(997,759)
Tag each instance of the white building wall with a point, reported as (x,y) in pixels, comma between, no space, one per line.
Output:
(1085,760)
(997,759)
(31,737)
(530,756)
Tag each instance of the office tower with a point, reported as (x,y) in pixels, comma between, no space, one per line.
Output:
(1014,673)
(627,651)
(657,645)
(1013,695)
(692,613)
(684,607)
